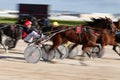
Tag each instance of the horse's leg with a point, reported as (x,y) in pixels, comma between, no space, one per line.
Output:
(57,40)
(14,44)
(56,43)
(3,45)
(71,48)
(86,51)
(90,42)
(114,48)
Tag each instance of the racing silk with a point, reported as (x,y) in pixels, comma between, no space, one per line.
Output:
(25,32)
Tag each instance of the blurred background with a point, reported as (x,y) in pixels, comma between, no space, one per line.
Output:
(68,10)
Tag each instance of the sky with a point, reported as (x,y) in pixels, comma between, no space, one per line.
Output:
(82,6)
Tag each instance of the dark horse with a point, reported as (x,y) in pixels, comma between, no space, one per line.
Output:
(12,31)
(106,30)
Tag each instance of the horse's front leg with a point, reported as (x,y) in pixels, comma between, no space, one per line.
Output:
(71,48)
(6,49)
(86,51)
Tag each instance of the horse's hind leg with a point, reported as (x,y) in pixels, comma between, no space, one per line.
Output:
(86,48)
(85,51)
(57,41)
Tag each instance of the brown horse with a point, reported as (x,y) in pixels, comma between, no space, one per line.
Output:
(106,30)
(86,38)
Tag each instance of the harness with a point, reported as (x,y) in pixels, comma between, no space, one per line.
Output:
(79,30)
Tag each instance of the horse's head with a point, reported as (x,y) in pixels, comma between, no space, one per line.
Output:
(104,23)
(110,25)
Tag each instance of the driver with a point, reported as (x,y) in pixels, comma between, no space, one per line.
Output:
(28,33)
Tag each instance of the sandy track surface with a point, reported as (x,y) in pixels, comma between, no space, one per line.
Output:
(14,67)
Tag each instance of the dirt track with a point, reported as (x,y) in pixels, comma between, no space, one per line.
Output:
(14,67)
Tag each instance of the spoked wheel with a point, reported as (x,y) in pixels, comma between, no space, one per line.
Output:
(45,55)
(74,52)
(97,51)
(32,54)
(61,52)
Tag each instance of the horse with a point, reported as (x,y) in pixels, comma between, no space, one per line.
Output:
(10,30)
(66,33)
(60,38)
(106,30)
(103,28)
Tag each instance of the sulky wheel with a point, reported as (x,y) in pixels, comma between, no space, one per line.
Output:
(61,52)
(32,54)
(74,52)
(47,56)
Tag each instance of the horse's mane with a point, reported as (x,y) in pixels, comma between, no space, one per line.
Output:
(95,21)
(98,20)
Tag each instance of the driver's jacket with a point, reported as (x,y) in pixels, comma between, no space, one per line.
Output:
(25,32)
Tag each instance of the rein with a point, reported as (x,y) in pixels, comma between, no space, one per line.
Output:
(59,30)
(43,40)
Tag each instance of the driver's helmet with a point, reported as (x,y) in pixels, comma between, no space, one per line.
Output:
(55,24)
(27,23)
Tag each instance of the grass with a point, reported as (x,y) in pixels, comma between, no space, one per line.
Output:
(71,23)
(61,22)
(8,20)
